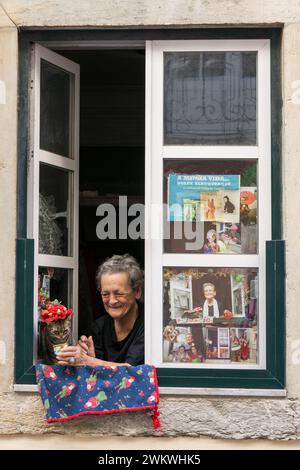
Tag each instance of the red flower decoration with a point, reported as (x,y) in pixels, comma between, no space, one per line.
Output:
(55,311)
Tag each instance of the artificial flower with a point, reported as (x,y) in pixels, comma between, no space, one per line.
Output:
(55,311)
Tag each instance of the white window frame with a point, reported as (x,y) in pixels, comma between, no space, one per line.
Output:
(70,164)
(156,152)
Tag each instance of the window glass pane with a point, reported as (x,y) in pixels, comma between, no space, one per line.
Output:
(55,102)
(54,211)
(53,283)
(210,206)
(210,98)
(210,315)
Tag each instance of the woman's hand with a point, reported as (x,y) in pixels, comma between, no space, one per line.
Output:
(73,356)
(77,356)
(87,345)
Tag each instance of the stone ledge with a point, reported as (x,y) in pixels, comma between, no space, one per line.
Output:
(138,13)
(228,418)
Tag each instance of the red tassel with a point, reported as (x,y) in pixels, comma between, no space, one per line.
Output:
(155,419)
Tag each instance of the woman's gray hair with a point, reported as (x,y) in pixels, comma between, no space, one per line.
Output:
(122,264)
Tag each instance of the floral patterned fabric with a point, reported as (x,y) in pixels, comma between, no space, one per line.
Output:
(70,392)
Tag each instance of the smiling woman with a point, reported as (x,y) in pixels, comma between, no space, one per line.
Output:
(117,338)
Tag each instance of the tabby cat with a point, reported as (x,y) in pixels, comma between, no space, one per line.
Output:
(56,334)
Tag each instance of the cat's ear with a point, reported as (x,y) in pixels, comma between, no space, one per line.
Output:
(68,322)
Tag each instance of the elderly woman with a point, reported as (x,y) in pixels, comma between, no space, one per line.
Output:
(117,338)
(211,307)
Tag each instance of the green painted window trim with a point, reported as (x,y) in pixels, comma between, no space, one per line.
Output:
(25,373)
(274,375)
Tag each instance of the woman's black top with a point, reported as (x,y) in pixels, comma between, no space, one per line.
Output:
(108,348)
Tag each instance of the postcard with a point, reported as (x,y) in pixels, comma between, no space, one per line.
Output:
(221,206)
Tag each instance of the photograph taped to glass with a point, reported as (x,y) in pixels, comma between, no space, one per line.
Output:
(211,206)
(210,315)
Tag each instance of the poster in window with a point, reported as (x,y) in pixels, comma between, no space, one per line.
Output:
(208,198)
(203,307)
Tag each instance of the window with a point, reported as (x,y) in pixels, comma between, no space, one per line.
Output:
(211,182)
(212,210)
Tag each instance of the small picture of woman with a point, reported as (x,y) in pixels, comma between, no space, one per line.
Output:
(211,245)
(229,208)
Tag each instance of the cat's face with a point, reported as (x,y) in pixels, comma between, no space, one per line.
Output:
(59,331)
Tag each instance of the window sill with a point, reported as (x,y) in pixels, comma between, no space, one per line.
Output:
(224,392)
(211,392)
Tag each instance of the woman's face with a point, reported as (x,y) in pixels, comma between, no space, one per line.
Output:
(209,292)
(117,295)
(188,338)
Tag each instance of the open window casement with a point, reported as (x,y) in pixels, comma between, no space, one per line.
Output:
(53,181)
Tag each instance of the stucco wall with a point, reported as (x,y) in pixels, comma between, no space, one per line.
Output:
(291,206)
(72,13)
(213,417)
(8,173)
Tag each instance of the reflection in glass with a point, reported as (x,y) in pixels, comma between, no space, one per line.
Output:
(53,283)
(210,206)
(54,210)
(210,98)
(210,315)
(55,102)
